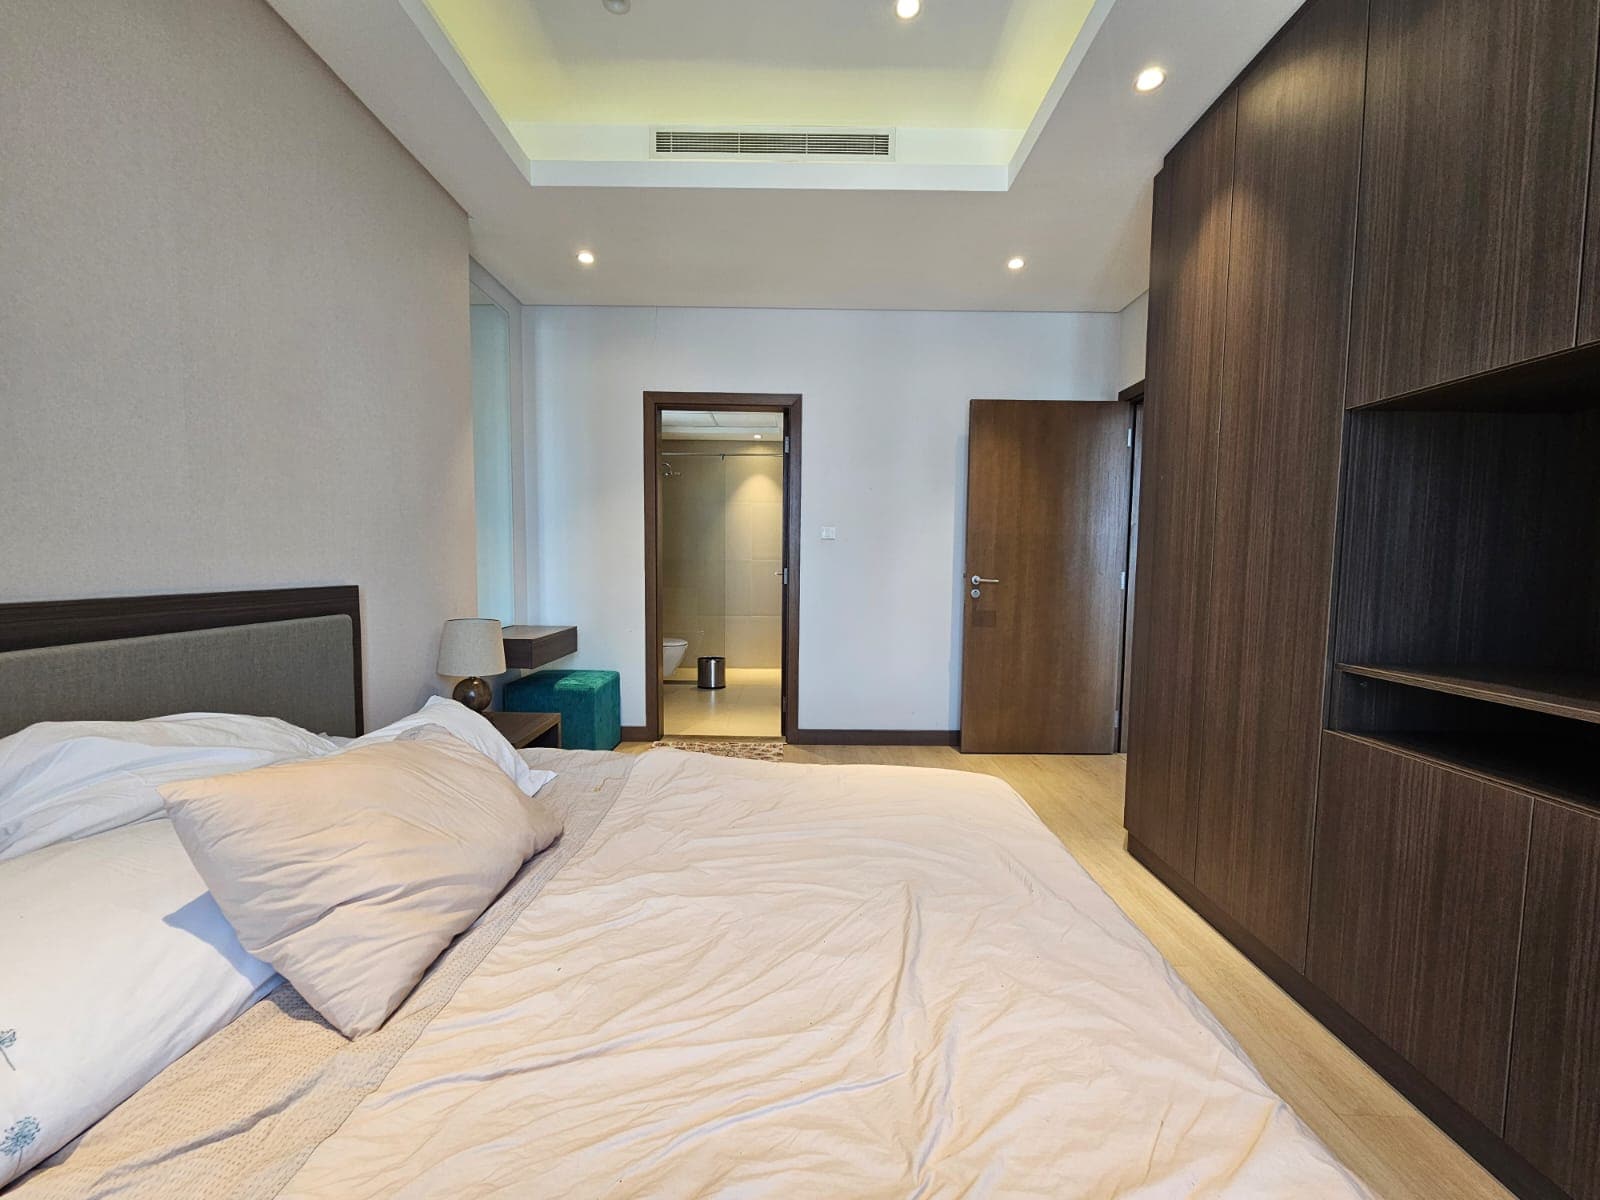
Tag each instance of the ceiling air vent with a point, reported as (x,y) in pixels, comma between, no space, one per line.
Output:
(774,143)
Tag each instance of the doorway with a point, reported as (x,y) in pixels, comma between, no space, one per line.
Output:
(722,514)
(1048,492)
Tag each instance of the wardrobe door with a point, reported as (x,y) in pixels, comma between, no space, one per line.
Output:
(1553,1114)
(1416,910)
(1589,300)
(1293,242)
(1188,292)
(1474,185)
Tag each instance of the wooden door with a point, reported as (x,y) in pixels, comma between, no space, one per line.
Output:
(1298,151)
(1553,1111)
(1474,185)
(1416,911)
(1188,294)
(1047,536)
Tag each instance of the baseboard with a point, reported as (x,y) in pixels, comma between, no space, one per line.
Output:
(875,737)
(636,733)
(1496,1157)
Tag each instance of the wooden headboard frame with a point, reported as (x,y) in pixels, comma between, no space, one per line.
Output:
(38,623)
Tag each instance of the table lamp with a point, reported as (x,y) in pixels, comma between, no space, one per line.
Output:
(471,647)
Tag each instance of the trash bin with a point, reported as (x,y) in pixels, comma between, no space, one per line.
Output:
(713,671)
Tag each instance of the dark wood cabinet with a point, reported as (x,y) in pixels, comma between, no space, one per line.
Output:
(1553,1111)
(1363,761)
(1475,177)
(1297,156)
(1589,296)
(1188,296)
(1416,910)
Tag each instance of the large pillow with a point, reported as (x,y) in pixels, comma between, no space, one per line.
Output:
(350,873)
(471,728)
(70,779)
(113,963)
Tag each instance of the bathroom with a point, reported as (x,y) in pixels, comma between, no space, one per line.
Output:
(720,476)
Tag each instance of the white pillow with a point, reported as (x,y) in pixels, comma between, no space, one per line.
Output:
(352,872)
(473,729)
(70,779)
(114,961)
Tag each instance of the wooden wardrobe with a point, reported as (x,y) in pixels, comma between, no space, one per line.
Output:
(1365,687)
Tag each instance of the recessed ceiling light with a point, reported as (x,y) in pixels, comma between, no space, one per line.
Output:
(906,9)
(1017,263)
(1149,79)
(757,436)
(620,7)
(586,257)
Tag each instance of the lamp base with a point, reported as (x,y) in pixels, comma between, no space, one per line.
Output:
(475,693)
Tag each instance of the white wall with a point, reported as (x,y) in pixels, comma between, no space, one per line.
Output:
(1133,327)
(884,460)
(500,404)
(233,334)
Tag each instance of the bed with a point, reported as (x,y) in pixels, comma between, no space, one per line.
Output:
(726,978)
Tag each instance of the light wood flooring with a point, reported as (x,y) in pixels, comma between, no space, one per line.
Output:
(1370,1126)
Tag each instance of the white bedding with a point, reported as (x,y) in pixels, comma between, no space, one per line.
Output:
(760,980)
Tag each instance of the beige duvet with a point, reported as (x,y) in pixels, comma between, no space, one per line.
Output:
(757,980)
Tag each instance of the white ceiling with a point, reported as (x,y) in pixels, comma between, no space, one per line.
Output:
(1078,209)
(721,426)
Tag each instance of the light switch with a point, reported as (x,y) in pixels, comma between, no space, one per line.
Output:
(829,533)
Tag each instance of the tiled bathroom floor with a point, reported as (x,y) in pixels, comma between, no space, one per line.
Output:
(747,707)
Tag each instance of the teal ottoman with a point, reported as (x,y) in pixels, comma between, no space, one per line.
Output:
(590,704)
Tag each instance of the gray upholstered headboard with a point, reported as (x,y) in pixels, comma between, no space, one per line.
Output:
(293,653)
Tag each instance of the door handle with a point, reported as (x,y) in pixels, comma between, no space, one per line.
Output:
(977,579)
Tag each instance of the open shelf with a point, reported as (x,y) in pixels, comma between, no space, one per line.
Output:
(1535,731)
(1552,767)
(1557,382)
(1571,694)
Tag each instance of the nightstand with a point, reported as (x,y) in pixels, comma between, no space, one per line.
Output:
(525,729)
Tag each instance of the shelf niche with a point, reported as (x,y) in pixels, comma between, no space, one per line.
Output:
(1468,629)
(1557,758)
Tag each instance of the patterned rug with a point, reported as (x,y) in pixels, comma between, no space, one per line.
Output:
(763,750)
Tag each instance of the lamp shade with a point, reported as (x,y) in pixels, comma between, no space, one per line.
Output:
(472,646)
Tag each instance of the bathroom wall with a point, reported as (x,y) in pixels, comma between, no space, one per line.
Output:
(694,555)
(754,541)
(721,548)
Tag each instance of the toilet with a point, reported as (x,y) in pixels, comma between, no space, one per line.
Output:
(672,652)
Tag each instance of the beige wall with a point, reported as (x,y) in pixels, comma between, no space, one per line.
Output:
(233,327)
(721,544)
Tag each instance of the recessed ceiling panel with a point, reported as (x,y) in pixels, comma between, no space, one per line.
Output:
(969,64)
(1073,201)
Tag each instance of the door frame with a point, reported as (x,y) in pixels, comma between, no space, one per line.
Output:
(789,405)
(1133,394)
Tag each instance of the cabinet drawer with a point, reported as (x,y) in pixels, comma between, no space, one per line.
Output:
(1415,912)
